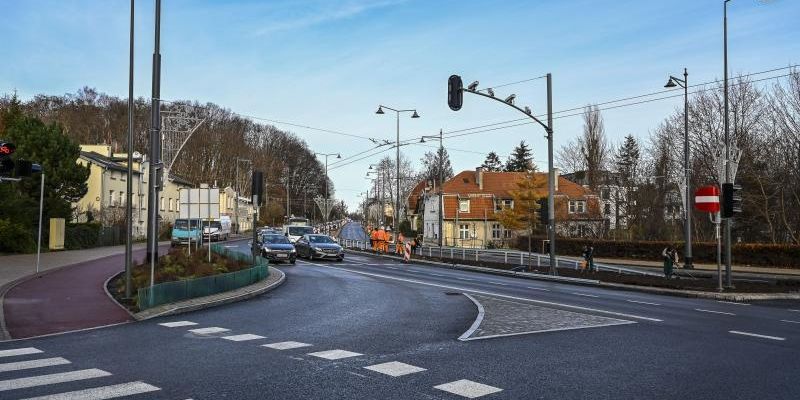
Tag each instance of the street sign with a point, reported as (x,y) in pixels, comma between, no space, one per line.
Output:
(706,199)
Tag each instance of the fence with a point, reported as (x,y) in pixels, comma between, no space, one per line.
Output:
(511,258)
(169,292)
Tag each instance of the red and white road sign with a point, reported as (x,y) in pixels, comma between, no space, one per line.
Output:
(706,199)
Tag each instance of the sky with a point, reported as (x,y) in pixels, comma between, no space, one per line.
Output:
(328,64)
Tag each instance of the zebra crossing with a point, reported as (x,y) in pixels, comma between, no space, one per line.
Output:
(395,369)
(17,374)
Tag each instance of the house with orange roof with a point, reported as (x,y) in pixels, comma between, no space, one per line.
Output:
(471,199)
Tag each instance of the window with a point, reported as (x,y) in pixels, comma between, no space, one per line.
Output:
(497,231)
(499,205)
(463,205)
(607,209)
(507,233)
(110,198)
(162,204)
(112,175)
(171,204)
(605,193)
(577,206)
(122,198)
(463,231)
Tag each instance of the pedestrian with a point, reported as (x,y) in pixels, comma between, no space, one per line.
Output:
(670,256)
(377,236)
(400,245)
(407,252)
(387,237)
(588,257)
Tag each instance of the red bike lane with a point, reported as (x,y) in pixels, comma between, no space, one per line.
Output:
(67,299)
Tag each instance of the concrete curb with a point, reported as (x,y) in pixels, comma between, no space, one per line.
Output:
(619,286)
(214,300)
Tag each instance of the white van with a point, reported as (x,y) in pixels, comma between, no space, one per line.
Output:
(216,229)
(294,232)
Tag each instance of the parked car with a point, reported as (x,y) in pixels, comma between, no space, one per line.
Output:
(276,247)
(318,246)
(185,233)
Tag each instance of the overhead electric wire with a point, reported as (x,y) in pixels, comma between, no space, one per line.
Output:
(512,83)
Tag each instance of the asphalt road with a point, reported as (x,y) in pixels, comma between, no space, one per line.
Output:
(601,344)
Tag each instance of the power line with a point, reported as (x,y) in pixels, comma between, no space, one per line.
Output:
(512,83)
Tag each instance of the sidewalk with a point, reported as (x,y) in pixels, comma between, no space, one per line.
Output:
(789,272)
(68,294)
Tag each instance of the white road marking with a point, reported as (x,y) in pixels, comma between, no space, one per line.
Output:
(334,354)
(790,321)
(757,335)
(794,310)
(456,288)
(714,312)
(468,389)
(392,267)
(466,279)
(19,352)
(177,324)
(21,383)
(584,294)
(395,368)
(497,283)
(431,273)
(643,302)
(242,338)
(538,288)
(103,392)
(285,345)
(42,362)
(206,331)
(733,302)
(478,320)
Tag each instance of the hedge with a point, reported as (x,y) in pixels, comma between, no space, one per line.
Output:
(16,238)
(81,236)
(747,254)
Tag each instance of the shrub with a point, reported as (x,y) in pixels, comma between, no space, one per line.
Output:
(16,238)
(749,254)
(81,236)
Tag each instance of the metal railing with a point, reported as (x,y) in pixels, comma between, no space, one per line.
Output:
(501,256)
(169,292)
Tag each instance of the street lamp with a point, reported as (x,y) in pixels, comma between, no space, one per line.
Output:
(326,184)
(236,201)
(684,83)
(441,182)
(397,114)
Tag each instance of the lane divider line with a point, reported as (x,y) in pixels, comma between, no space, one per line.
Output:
(733,302)
(643,302)
(584,294)
(790,321)
(538,288)
(714,312)
(757,335)
(551,303)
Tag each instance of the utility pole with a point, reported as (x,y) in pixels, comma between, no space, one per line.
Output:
(441,190)
(397,158)
(155,149)
(129,201)
(687,212)
(727,234)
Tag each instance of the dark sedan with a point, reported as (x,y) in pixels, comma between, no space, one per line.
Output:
(319,246)
(276,247)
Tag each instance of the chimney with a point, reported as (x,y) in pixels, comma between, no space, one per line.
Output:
(479,177)
(558,174)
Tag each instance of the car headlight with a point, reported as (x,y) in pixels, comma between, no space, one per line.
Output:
(266,249)
(317,249)
(293,250)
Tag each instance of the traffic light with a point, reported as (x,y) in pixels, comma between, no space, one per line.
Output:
(731,199)
(455,93)
(6,163)
(258,188)
(544,212)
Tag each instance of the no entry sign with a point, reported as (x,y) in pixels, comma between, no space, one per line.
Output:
(706,199)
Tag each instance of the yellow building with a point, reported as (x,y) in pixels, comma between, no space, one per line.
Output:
(106,196)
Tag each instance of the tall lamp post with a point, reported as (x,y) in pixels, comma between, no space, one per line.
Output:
(439,191)
(236,201)
(397,199)
(326,155)
(129,184)
(687,227)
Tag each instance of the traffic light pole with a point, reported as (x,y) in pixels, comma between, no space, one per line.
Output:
(455,86)
(728,278)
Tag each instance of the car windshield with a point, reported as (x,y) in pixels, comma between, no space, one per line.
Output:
(275,239)
(183,224)
(320,239)
(300,230)
(214,224)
